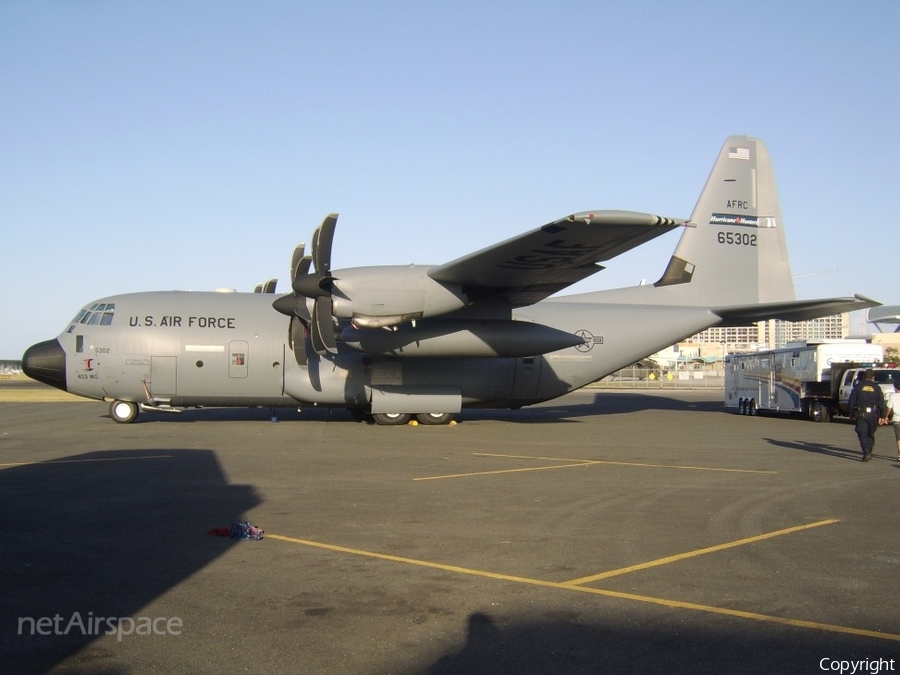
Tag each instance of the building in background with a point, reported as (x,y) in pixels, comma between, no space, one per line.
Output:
(707,349)
(774,333)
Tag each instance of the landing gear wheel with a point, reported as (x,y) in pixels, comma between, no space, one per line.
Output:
(391,419)
(743,407)
(123,412)
(751,408)
(434,418)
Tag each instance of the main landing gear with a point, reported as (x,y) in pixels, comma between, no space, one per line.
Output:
(394,419)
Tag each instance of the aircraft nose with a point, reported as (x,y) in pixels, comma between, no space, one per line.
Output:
(46,362)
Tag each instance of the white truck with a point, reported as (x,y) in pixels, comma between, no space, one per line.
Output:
(813,379)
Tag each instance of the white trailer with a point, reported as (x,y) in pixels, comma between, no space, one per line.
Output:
(803,377)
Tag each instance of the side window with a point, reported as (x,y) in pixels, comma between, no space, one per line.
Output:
(237,358)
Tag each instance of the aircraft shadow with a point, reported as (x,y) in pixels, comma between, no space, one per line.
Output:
(104,533)
(605,403)
(564,644)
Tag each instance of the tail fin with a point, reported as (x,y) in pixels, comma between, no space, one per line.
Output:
(732,251)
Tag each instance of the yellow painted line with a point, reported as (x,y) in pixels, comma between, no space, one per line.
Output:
(740,614)
(643,464)
(413,561)
(693,554)
(577,463)
(79,461)
(568,586)
(488,473)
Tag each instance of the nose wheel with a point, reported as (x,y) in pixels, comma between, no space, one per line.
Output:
(123,412)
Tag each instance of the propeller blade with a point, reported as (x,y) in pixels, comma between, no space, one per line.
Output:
(321,250)
(302,313)
(297,340)
(302,267)
(296,257)
(269,286)
(321,328)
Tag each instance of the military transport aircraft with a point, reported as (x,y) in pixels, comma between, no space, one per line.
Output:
(393,342)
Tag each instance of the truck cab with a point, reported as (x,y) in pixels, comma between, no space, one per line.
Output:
(884,377)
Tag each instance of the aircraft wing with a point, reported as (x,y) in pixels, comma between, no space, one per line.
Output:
(797,310)
(528,268)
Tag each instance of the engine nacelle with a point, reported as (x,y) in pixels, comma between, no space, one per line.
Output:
(391,295)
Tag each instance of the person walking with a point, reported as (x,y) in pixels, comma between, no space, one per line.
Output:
(892,399)
(867,407)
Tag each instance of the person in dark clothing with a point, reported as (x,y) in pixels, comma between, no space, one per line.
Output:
(867,407)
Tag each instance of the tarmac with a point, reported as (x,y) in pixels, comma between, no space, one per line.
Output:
(607,531)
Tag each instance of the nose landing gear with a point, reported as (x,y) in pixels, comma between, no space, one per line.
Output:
(123,412)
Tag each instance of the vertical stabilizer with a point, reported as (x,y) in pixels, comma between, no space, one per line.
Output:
(733,251)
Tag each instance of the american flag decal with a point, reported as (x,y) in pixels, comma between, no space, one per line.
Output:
(738,153)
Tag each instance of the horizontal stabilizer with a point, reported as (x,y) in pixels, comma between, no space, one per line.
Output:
(796,310)
(884,314)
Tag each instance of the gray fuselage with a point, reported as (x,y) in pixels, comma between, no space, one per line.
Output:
(232,349)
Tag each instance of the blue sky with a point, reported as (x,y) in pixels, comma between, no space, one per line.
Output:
(171,145)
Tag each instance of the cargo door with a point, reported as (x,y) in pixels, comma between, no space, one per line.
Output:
(527,377)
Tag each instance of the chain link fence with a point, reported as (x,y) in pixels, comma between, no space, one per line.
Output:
(635,377)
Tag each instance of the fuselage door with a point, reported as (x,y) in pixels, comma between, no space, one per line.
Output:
(238,355)
(163,375)
(527,377)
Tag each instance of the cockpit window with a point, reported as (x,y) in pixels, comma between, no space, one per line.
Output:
(100,313)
